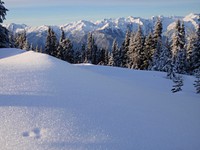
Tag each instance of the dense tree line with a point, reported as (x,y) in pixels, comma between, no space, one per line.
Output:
(138,51)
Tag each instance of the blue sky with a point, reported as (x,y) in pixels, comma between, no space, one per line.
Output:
(58,12)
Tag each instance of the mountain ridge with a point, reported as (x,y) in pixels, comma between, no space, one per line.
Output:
(104,31)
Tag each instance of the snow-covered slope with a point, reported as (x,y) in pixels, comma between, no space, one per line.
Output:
(104,31)
(48,104)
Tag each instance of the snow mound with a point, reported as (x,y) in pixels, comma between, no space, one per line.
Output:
(48,104)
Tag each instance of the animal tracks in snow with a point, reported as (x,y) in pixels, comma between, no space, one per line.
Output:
(35,133)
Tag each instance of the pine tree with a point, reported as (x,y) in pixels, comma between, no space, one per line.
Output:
(157,44)
(26,46)
(90,46)
(114,60)
(195,56)
(83,53)
(124,50)
(11,40)
(77,57)
(20,41)
(3,11)
(170,70)
(54,43)
(4,37)
(48,42)
(51,43)
(139,56)
(68,51)
(178,83)
(148,51)
(165,57)
(197,81)
(131,51)
(178,48)
(190,47)
(94,54)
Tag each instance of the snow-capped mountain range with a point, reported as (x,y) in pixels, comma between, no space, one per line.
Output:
(104,31)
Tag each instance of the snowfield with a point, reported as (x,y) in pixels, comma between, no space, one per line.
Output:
(48,104)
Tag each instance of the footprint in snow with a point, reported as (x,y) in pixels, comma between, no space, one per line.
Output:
(36,133)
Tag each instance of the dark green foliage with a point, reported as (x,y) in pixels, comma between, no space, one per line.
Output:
(157,45)
(4,37)
(197,81)
(21,41)
(124,50)
(178,83)
(148,51)
(51,43)
(3,11)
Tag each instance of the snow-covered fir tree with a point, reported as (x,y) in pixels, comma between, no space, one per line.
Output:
(165,57)
(197,81)
(4,34)
(195,56)
(178,48)
(178,83)
(115,54)
(20,41)
(148,51)
(124,50)
(51,43)
(26,46)
(77,57)
(90,46)
(157,44)
(65,49)
(83,53)
(170,70)
(190,48)
(139,56)
(131,51)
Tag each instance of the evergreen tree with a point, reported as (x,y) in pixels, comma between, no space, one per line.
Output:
(178,83)
(68,51)
(165,57)
(3,11)
(54,43)
(131,51)
(157,44)
(83,53)
(195,56)
(4,37)
(178,48)
(51,43)
(20,40)
(139,50)
(94,54)
(148,51)
(90,46)
(170,70)
(77,57)
(26,46)
(197,81)
(11,40)
(48,43)
(124,50)
(103,57)
(190,48)
(114,60)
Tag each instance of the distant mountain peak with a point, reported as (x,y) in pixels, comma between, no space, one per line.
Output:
(104,31)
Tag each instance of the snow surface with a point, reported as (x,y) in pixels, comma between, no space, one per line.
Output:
(48,104)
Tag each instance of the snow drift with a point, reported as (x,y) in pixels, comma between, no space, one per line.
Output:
(48,104)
